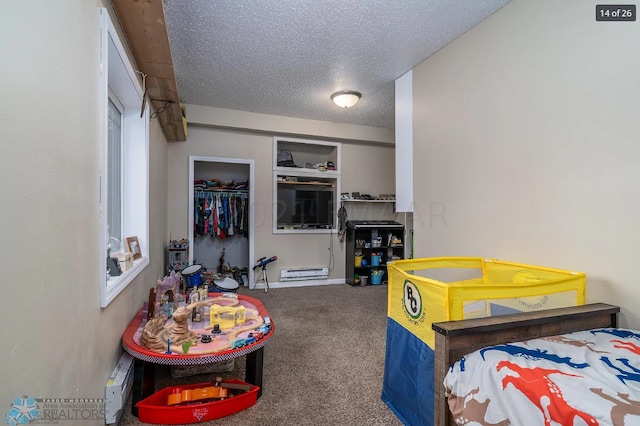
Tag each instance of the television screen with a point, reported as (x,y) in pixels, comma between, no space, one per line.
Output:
(305,209)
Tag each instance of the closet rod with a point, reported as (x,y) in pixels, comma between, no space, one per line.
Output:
(208,194)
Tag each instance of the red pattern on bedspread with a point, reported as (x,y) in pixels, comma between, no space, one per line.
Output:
(583,378)
(537,386)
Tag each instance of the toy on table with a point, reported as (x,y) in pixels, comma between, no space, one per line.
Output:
(233,319)
(196,295)
(227,317)
(155,334)
(167,295)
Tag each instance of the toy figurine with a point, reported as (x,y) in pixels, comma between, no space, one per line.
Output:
(167,295)
(220,269)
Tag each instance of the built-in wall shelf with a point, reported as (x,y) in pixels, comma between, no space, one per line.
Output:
(368,201)
(306,182)
(302,171)
(222,191)
(362,203)
(307,155)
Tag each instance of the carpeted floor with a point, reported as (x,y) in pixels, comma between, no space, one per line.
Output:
(323,365)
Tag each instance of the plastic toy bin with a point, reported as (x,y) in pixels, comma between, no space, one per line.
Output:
(376,278)
(155,410)
(428,290)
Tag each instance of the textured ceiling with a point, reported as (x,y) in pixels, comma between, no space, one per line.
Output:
(286,57)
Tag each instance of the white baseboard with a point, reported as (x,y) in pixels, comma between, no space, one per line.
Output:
(304,283)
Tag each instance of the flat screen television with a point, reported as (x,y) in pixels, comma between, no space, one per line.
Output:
(305,209)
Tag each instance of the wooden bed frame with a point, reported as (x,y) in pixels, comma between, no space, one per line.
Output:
(454,339)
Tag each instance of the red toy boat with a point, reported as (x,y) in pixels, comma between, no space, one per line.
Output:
(156,409)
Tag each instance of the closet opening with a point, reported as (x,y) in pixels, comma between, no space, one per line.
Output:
(221,216)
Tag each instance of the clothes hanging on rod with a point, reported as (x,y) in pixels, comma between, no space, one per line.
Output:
(220,213)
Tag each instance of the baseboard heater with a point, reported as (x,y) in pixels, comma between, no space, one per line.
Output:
(117,390)
(301,274)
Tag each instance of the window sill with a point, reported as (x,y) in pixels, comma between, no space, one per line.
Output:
(115,285)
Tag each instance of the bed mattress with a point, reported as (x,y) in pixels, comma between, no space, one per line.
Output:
(583,378)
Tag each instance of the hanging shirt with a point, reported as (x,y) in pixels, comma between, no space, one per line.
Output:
(205,217)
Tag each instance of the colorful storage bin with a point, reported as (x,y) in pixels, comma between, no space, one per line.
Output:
(376,277)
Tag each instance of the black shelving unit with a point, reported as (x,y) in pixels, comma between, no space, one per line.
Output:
(366,238)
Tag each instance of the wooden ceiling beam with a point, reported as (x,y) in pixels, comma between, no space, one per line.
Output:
(144,25)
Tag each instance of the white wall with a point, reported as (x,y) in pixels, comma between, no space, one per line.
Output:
(57,342)
(366,167)
(526,146)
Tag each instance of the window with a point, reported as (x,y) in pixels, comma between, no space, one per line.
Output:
(124,174)
(114,169)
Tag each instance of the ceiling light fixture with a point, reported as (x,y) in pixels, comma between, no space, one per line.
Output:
(346,98)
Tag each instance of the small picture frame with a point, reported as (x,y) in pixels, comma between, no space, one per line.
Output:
(134,247)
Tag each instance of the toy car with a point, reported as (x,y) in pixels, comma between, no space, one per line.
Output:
(257,334)
(238,343)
